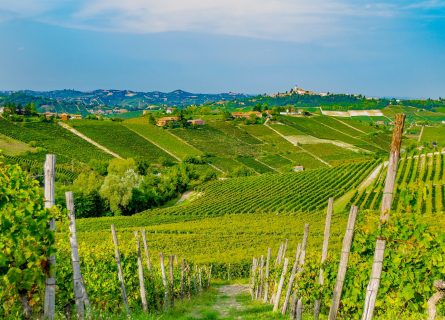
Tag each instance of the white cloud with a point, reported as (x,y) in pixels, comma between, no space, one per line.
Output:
(293,20)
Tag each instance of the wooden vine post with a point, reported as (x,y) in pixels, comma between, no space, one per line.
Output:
(343,265)
(252,284)
(299,306)
(324,252)
(280,285)
(79,288)
(141,273)
(50,282)
(182,277)
(164,280)
(259,289)
(172,282)
(266,280)
(388,191)
(291,279)
(439,285)
(120,273)
(147,257)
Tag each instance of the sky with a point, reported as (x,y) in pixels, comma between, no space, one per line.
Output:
(377,48)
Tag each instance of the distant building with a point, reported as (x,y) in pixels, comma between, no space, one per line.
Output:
(2,109)
(162,122)
(241,115)
(169,110)
(298,168)
(64,116)
(380,122)
(49,115)
(75,116)
(196,122)
(123,110)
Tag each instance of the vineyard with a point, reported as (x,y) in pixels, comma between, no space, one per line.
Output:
(52,138)
(420,186)
(121,140)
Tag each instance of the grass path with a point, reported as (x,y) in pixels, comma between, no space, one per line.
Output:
(84,137)
(229,301)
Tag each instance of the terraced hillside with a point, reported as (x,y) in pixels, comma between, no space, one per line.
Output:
(420,186)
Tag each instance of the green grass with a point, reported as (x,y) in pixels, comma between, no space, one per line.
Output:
(13,147)
(333,154)
(120,139)
(255,165)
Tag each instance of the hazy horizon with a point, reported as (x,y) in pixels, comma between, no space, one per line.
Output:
(384,49)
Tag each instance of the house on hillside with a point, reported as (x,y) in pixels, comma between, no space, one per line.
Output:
(162,122)
(64,116)
(75,116)
(49,115)
(298,168)
(196,122)
(169,110)
(242,115)
(2,109)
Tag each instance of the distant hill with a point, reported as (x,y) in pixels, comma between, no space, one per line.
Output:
(79,102)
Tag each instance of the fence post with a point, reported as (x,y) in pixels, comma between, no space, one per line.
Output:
(119,269)
(280,285)
(343,265)
(172,282)
(79,289)
(147,257)
(252,286)
(141,273)
(377,265)
(49,191)
(324,252)
(439,295)
(291,279)
(299,307)
(266,286)
(260,284)
(164,280)
(182,277)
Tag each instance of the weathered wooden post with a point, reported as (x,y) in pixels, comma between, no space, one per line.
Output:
(299,306)
(50,282)
(343,265)
(79,288)
(439,295)
(182,277)
(260,280)
(172,282)
(291,279)
(120,273)
(283,254)
(252,285)
(164,280)
(377,265)
(147,257)
(266,286)
(141,273)
(324,252)
(210,276)
(280,285)
(200,279)
(189,280)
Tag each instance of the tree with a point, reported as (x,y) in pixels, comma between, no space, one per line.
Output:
(120,166)
(151,119)
(25,241)
(30,109)
(117,190)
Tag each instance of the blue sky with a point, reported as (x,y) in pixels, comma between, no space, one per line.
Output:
(384,48)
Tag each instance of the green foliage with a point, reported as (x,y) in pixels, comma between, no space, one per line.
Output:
(25,240)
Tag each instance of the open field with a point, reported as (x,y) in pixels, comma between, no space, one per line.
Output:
(14,147)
